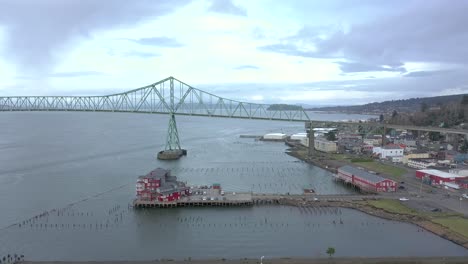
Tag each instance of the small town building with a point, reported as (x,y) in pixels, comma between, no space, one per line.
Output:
(322,144)
(367,148)
(423,155)
(421,164)
(437,176)
(374,140)
(461,172)
(406,142)
(365,180)
(388,151)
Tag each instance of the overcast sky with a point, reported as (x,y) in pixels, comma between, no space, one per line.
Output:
(313,52)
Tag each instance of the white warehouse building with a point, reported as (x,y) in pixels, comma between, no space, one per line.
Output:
(389,151)
(274,136)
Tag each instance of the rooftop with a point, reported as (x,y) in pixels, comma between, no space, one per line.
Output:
(441,174)
(362,174)
(158,173)
(392,147)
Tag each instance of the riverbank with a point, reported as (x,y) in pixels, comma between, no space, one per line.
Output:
(440,223)
(401,260)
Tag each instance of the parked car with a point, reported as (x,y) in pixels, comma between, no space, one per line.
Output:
(465,196)
(404,199)
(401,187)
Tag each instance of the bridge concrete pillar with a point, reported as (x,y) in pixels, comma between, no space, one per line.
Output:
(311,141)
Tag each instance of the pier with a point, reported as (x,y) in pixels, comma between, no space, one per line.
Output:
(209,198)
(249,199)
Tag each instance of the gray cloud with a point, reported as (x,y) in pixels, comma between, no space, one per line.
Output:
(38,30)
(422,31)
(371,90)
(425,73)
(347,67)
(140,54)
(159,42)
(289,49)
(76,74)
(62,75)
(246,67)
(227,7)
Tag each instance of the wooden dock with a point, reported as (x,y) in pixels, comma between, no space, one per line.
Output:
(239,199)
(249,199)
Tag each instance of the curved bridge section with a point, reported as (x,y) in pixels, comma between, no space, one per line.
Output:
(168,96)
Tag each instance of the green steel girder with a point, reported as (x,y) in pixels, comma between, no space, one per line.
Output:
(166,96)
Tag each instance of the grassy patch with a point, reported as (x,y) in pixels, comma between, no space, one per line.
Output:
(340,156)
(392,206)
(456,224)
(362,160)
(383,168)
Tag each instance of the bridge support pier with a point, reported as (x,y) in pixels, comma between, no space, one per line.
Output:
(173,150)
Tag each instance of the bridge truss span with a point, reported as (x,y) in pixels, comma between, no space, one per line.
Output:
(164,97)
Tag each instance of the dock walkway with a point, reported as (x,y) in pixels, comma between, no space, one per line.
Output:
(249,199)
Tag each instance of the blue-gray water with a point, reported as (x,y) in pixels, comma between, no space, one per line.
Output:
(84,166)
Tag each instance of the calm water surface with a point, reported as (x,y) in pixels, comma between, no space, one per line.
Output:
(84,165)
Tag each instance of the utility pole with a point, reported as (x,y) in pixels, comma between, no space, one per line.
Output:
(311,141)
(420,190)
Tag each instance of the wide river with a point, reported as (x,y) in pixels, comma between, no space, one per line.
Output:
(82,167)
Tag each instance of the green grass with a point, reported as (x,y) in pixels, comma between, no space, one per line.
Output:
(392,206)
(383,168)
(340,156)
(355,160)
(455,223)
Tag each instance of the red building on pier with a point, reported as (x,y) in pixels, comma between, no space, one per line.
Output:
(160,185)
(364,180)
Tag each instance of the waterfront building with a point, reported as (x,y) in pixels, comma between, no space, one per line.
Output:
(438,177)
(275,136)
(161,185)
(322,144)
(365,180)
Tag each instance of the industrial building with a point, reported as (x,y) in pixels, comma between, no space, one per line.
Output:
(436,177)
(321,144)
(365,180)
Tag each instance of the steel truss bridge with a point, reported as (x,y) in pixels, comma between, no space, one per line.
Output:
(169,96)
(173,97)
